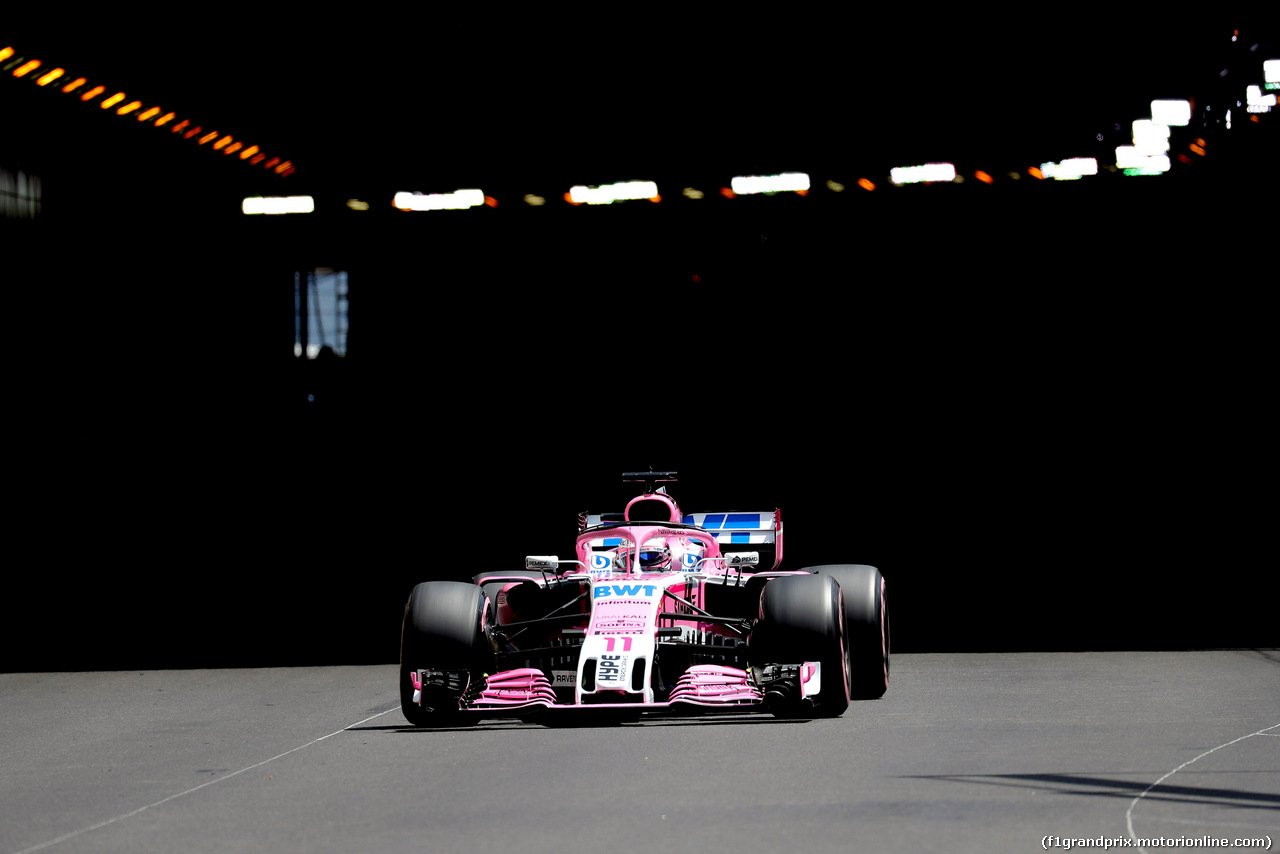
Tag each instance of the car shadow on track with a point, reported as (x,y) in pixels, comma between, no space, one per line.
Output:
(587,722)
(1106,787)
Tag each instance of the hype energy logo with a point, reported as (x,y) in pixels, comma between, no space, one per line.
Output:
(605,591)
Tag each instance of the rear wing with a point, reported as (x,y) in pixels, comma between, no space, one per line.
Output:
(734,529)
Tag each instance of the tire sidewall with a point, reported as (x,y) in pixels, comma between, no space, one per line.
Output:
(866,615)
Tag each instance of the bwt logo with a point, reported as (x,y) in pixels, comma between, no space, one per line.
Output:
(622,590)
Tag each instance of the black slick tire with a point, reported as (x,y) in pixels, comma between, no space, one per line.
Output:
(866,619)
(802,619)
(444,629)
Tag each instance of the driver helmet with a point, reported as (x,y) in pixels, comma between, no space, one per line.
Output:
(655,556)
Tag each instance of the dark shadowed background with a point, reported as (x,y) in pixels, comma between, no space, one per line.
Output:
(1038,407)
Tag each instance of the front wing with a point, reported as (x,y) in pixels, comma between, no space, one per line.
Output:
(702,687)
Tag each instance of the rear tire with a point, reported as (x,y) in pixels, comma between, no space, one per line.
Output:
(866,621)
(802,619)
(444,628)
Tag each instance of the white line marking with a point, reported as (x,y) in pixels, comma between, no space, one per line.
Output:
(64,837)
(1128,816)
(1261,828)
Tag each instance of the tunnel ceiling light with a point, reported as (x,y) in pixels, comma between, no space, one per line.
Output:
(745,185)
(607,194)
(1257,102)
(1071,169)
(928,173)
(278,204)
(457,200)
(1172,113)
(50,76)
(22,67)
(1150,137)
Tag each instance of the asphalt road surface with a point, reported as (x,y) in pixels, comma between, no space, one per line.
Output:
(966,752)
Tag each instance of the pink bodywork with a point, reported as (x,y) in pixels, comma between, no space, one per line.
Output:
(623,619)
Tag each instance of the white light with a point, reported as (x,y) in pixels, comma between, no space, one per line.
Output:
(1128,157)
(1070,169)
(927,173)
(278,204)
(1258,102)
(745,185)
(610,193)
(457,200)
(1174,113)
(1080,165)
(1271,70)
(1150,137)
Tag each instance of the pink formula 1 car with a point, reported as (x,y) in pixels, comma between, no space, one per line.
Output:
(658,612)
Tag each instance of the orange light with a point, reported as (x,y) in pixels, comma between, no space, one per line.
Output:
(26,68)
(5,53)
(180,126)
(568,198)
(1197,150)
(257,159)
(108,103)
(222,143)
(74,85)
(1035,172)
(208,137)
(48,78)
(1200,142)
(284,167)
(234,147)
(129,108)
(656,199)
(802,192)
(866,185)
(727,193)
(147,114)
(984,177)
(195,130)
(491,201)
(270,164)
(165,119)
(249,152)
(93,93)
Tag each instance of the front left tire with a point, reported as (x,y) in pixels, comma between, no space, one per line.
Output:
(444,629)
(802,619)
